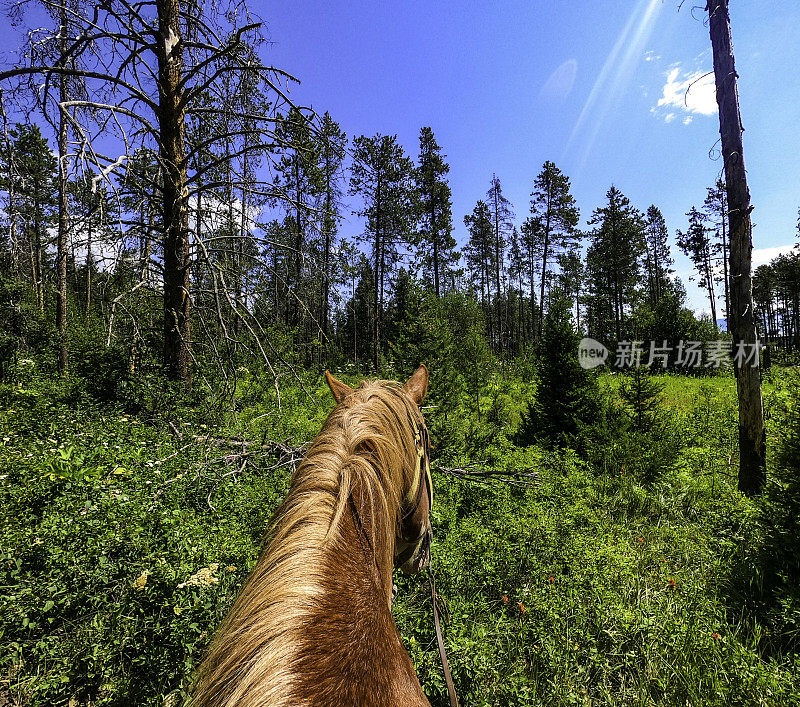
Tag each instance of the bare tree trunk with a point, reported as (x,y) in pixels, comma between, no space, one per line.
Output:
(63,213)
(36,254)
(89,265)
(725,265)
(544,274)
(13,234)
(435,238)
(34,271)
(177,302)
(378,302)
(752,438)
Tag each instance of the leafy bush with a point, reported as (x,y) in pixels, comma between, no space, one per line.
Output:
(581,588)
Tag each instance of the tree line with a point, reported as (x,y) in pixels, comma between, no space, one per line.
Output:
(193,212)
(220,197)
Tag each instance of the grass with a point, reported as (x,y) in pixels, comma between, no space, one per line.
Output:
(592,587)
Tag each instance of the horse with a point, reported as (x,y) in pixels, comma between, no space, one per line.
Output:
(313,624)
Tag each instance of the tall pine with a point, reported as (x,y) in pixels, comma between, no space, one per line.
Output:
(613,264)
(381,175)
(434,241)
(554,208)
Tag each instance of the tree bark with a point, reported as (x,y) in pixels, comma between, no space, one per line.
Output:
(38,273)
(752,438)
(378,302)
(63,213)
(177,303)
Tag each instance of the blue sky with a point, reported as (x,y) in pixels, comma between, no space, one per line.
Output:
(598,87)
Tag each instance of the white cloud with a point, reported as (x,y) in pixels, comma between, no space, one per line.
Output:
(650,55)
(693,93)
(763,256)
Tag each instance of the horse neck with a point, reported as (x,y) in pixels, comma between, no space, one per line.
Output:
(352,653)
(313,625)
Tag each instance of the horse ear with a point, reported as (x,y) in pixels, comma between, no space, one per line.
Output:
(417,386)
(340,390)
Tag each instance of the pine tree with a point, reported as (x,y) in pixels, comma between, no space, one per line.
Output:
(435,243)
(554,208)
(570,280)
(696,244)
(34,184)
(480,254)
(300,178)
(566,397)
(516,289)
(613,264)
(658,259)
(381,175)
(531,245)
(642,394)
(93,212)
(140,198)
(502,215)
(332,144)
(716,209)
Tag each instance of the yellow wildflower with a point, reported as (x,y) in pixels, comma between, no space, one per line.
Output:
(141,581)
(204,577)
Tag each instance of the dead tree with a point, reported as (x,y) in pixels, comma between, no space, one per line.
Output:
(63,207)
(146,68)
(752,439)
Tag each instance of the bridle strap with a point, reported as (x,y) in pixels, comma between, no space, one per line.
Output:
(448,678)
(424,478)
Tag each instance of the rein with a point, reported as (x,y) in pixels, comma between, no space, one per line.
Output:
(423,450)
(448,677)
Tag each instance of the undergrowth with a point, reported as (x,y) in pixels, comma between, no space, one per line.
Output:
(126,532)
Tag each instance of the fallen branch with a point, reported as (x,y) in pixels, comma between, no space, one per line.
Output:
(476,471)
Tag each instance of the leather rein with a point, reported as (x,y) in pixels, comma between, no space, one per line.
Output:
(423,451)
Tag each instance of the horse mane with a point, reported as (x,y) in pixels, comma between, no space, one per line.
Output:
(366,446)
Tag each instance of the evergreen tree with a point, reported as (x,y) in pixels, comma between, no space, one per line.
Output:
(381,175)
(658,260)
(570,280)
(696,244)
(480,253)
(32,175)
(300,179)
(332,143)
(531,241)
(516,290)
(502,215)
(613,264)
(642,395)
(553,207)
(435,243)
(140,199)
(566,399)
(716,209)
(434,240)
(90,226)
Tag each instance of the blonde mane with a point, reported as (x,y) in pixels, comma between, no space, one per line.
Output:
(366,448)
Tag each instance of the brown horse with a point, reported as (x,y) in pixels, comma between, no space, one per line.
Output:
(313,623)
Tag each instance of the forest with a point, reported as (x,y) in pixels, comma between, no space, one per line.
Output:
(185,249)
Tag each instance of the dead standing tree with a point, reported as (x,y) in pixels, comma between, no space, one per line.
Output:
(147,67)
(752,439)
